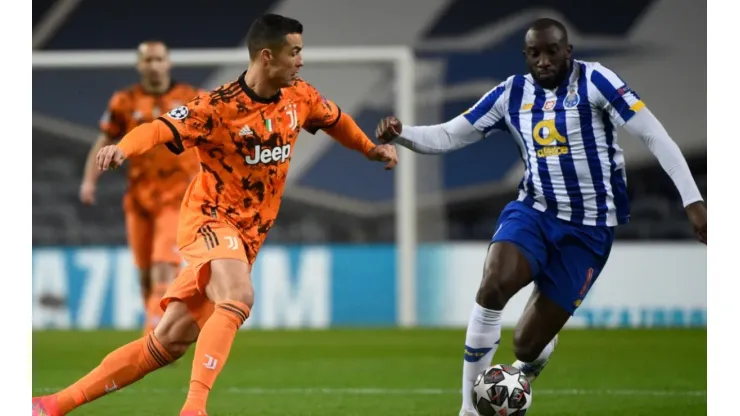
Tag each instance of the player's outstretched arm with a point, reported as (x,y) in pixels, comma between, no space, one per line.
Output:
(441,138)
(91,173)
(482,118)
(138,141)
(649,129)
(625,108)
(349,134)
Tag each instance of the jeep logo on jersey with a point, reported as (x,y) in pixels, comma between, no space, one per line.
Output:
(276,154)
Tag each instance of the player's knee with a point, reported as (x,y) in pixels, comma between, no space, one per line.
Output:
(230,281)
(241,293)
(526,347)
(177,330)
(505,272)
(492,293)
(163,273)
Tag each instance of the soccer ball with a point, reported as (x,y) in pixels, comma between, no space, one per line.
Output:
(502,390)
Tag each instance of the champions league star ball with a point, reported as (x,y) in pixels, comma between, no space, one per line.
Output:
(502,390)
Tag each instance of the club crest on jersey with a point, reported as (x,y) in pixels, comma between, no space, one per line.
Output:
(179,113)
(572,99)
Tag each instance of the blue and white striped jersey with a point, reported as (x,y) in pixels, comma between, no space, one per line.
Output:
(568,141)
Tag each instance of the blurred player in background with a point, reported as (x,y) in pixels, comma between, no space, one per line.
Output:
(157,180)
(243,133)
(559,231)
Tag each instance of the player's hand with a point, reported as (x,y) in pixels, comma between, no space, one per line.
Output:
(384,153)
(87,193)
(388,129)
(109,157)
(697,213)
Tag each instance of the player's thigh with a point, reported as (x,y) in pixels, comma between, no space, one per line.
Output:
(577,256)
(178,328)
(517,253)
(139,233)
(230,280)
(185,293)
(223,263)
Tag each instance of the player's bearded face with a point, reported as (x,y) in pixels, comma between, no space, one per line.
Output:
(287,61)
(548,57)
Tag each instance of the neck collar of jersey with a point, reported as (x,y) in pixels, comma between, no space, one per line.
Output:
(253,95)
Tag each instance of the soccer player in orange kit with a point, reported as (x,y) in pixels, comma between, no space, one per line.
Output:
(243,133)
(157,180)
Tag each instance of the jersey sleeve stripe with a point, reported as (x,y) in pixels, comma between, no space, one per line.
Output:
(484,105)
(175,146)
(612,95)
(314,129)
(639,105)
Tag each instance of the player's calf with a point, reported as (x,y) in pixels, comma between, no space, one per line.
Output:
(528,346)
(177,330)
(536,333)
(230,288)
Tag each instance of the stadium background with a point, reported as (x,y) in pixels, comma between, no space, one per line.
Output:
(333,264)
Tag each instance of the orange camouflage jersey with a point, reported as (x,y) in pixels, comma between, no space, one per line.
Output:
(158,177)
(244,143)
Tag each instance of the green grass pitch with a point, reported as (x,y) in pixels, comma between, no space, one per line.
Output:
(395,372)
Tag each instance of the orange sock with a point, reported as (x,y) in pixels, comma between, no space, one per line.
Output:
(212,350)
(120,368)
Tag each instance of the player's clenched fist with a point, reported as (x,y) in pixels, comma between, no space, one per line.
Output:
(384,153)
(110,157)
(388,129)
(697,213)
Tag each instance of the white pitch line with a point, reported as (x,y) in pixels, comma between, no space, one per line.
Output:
(412,392)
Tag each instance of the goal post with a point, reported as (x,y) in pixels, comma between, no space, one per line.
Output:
(400,57)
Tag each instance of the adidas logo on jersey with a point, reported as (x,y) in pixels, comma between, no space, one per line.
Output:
(245,131)
(277,154)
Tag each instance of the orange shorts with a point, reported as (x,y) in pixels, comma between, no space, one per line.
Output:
(152,236)
(215,240)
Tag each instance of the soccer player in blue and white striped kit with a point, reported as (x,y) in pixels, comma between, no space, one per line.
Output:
(559,231)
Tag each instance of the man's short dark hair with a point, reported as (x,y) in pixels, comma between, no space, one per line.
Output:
(269,32)
(547,23)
